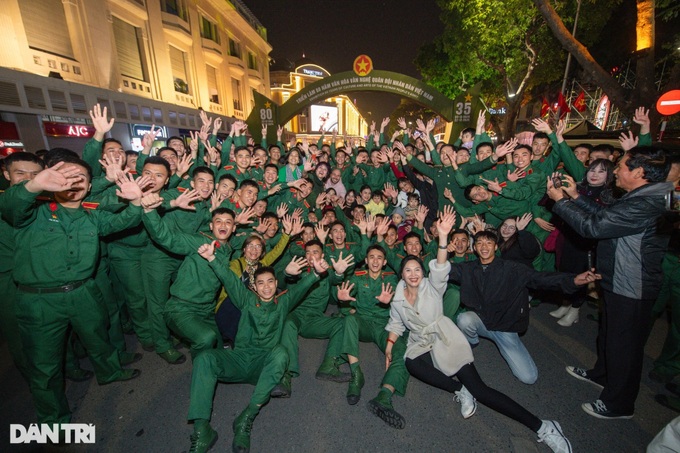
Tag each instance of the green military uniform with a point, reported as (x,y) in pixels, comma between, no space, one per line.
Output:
(56,256)
(257,357)
(368,323)
(8,320)
(159,267)
(308,321)
(190,312)
(451,300)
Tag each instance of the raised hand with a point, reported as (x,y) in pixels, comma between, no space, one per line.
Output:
(215,200)
(342,264)
(245,217)
(57,178)
(282,210)
(279,133)
(320,265)
(421,215)
(148,139)
(295,227)
(111,167)
(193,143)
(207,251)
(544,224)
(386,294)
(217,125)
(203,134)
(522,222)
(506,148)
(143,182)
(184,164)
(447,218)
(264,130)
(186,200)
(382,226)
(297,214)
(628,141)
(99,121)
(642,118)
(401,122)
(559,130)
(586,277)
(345,291)
(321,233)
(449,195)
(128,188)
(384,124)
(541,126)
(481,122)
(296,265)
(493,186)
(204,118)
(515,175)
(266,223)
(151,201)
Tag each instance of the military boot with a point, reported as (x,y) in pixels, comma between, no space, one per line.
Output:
(202,439)
(330,371)
(243,424)
(356,383)
(284,388)
(381,406)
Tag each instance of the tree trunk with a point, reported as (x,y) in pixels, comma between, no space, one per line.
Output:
(507,126)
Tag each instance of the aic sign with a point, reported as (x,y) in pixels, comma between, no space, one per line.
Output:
(68,130)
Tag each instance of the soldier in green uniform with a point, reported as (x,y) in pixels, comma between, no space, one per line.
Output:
(57,248)
(308,321)
(369,293)
(257,357)
(19,167)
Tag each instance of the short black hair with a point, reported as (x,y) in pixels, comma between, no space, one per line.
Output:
(469,130)
(376,247)
(603,147)
(110,140)
(76,161)
(55,155)
(203,169)
(264,270)
(653,161)
(541,135)
(167,148)
(314,242)
(486,234)
(22,157)
(468,191)
(174,137)
(229,177)
(157,160)
(410,235)
(460,231)
(483,144)
(129,153)
(241,148)
(249,183)
(227,211)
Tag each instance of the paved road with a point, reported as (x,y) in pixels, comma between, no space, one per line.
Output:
(148,414)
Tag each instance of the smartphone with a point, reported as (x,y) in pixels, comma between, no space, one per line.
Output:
(557,182)
(673,200)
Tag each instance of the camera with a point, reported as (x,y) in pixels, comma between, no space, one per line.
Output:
(673,200)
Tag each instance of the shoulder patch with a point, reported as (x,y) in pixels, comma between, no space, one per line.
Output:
(228,167)
(90,205)
(360,273)
(388,273)
(181,189)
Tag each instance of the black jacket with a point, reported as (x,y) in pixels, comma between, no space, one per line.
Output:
(500,294)
(633,238)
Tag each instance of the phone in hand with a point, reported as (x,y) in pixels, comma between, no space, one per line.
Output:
(557,182)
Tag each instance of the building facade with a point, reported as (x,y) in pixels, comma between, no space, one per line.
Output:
(336,113)
(149,61)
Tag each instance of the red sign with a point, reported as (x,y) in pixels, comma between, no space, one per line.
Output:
(363,65)
(669,103)
(68,130)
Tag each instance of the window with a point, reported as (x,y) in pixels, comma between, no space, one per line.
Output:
(252,61)
(234,48)
(212,84)
(127,46)
(176,8)
(46,28)
(179,70)
(209,30)
(236,93)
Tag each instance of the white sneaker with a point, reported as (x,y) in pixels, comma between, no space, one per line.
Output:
(551,435)
(560,311)
(468,404)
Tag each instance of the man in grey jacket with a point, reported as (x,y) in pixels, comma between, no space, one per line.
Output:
(629,254)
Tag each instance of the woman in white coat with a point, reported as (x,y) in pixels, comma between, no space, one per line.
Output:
(437,350)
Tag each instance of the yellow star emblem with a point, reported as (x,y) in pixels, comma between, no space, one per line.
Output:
(468,97)
(267,104)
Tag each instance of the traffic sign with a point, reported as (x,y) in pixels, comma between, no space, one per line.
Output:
(669,103)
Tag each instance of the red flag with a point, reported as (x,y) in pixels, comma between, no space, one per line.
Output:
(562,105)
(545,107)
(580,102)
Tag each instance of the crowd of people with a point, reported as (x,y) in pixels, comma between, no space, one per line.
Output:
(237,249)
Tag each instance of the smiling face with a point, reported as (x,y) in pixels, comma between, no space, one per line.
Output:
(265,286)
(243,159)
(375,261)
(247,195)
(159,177)
(321,172)
(336,176)
(508,228)
(366,195)
(222,226)
(597,176)
(22,171)
(171,158)
(260,207)
(485,249)
(460,244)
(275,155)
(521,157)
(479,194)
(412,246)
(412,274)
(253,250)
(338,235)
(226,188)
(462,156)
(294,158)
(204,183)
(484,152)
(308,234)
(539,146)
(271,175)
(115,152)
(582,154)
(391,236)
(313,252)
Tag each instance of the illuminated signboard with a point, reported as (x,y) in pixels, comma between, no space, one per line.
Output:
(312,70)
(324,117)
(11,144)
(68,130)
(140,130)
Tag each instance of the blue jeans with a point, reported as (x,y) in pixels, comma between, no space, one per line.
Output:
(510,346)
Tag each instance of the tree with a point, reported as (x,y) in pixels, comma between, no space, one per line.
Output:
(502,43)
(645,91)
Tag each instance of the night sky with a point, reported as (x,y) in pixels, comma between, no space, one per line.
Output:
(333,33)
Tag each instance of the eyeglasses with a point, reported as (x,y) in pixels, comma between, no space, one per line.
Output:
(254,246)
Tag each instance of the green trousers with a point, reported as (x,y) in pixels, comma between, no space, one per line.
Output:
(158,270)
(8,323)
(451,301)
(373,331)
(311,326)
(106,296)
(199,329)
(261,367)
(43,321)
(128,286)
(668,362)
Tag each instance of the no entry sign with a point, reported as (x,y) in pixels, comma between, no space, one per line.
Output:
(669,103)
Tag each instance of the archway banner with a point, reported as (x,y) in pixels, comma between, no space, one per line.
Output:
(462,111)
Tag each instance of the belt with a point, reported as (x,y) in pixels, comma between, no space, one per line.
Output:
(67,288)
